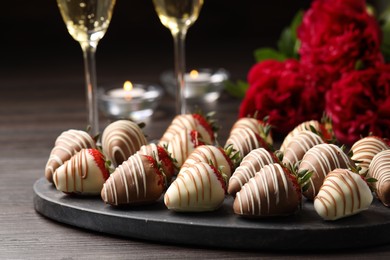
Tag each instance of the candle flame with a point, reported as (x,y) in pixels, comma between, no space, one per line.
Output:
(194,74)
(128,86)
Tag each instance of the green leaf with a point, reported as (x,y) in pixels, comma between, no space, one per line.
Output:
(289,43)
(268,54)
(236,89)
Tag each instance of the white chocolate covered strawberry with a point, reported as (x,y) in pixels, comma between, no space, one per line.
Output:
(366,148)
(84,173)
(66,145)
(342,194)
(251,164)
(204,125)
(121,139)
(183,144)
(260,127)
(224,160)
(137,181)
(198,188)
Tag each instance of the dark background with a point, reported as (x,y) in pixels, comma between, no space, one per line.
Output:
(34,38)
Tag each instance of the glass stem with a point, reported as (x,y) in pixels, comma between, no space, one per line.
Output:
(89,50)
(180,68)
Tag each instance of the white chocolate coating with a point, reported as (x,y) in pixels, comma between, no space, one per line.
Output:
(66,145)
(343,193)
(299,128)
(365,149)
(196,189)
(79,175)
(186,121)
(121,139)
(207,153)
(181,146)
(251,164)
(254,124)
(380,170)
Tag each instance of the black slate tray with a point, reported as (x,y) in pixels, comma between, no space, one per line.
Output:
(302,231)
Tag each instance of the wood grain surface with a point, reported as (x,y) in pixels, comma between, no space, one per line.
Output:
(34,109)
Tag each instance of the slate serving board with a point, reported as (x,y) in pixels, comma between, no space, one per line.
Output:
(302,231)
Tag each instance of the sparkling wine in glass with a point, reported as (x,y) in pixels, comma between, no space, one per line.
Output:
(87,22)
(178,16)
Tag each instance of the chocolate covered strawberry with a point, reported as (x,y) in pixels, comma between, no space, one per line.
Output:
(162,157)
(222,159)
(121,139)
(380,170)
(323,128)
(249,166)
(84,173)
(260,127)
(366,148)
(137,180)
(200,187)
(273,191)
(320,160)
(244,140)
(204,125)
(66,145)
(183,144)
(342,194)
(298,146)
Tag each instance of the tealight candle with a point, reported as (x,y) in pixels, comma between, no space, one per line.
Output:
(133,101)
(128,91)
(197,77)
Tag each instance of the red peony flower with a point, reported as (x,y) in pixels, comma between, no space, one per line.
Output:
(359,104)
(284,91)
(339,33)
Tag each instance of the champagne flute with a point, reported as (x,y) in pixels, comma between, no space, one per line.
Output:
(87,22)
(178,16)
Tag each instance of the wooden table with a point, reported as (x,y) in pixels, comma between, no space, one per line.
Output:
(34,109)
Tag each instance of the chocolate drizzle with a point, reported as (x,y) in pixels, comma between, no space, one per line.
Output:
(343,193)
(269,193)
(320,160)
(197,188)
(380,170)
(135,181)
(66,145)
(80,174)
(251,164)
(121,139)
